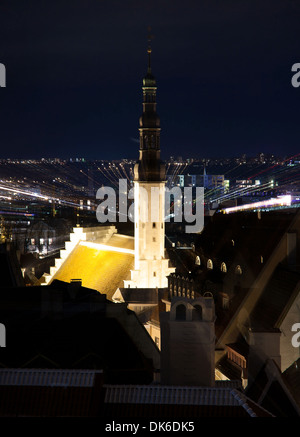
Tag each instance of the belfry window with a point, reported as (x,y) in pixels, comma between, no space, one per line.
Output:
(210,264)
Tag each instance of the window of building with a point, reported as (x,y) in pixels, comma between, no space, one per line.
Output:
(197,261)
(157,341)
(153,225)
(32,241)
(153,239)
(154,273)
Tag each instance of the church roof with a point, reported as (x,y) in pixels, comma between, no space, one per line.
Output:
(99,269)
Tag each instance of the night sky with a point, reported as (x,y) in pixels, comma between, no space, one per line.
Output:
(75,68)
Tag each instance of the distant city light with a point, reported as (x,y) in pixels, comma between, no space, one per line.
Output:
(280,201)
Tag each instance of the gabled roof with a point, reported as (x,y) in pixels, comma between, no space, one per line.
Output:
(50,393)
(99,269)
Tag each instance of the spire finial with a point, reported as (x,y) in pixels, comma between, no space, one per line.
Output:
(149,49)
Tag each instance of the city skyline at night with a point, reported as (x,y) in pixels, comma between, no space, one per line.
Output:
(225,73)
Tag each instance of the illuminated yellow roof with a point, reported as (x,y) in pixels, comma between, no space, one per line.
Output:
(99,269)
(119,240)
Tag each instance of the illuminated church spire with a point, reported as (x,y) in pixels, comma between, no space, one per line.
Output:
(151,268)
(149,166)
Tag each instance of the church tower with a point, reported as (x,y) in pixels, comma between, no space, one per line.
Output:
(151,267)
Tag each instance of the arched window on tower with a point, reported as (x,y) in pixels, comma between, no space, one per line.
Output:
(210,265)
(181,312)
(197,312)
(197,261)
